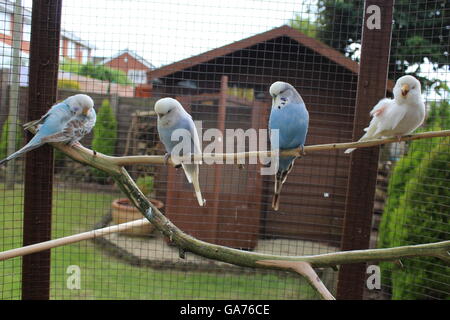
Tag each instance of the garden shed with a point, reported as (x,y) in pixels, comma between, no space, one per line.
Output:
(313,202)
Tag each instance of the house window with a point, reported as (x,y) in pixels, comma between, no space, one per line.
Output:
(137,76)
(71,50)
(61,49)
(84,55)
(26,32)
(5,23)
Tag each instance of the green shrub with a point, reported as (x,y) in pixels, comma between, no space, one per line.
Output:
(70,65)
(4,139)
(422,216)
(145,184)
(68,84)
(409,167)
(96,71)
(105,133)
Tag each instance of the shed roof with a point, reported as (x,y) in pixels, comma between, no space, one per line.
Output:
(283,31)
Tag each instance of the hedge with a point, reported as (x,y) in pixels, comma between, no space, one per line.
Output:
(394,230)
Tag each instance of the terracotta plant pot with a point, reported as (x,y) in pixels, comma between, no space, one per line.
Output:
(123,211)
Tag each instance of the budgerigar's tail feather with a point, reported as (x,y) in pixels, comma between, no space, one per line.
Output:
(363,138)
(372,132)
(276,197)
(188,170)
(191,171)
(280,179)
(34,123)
(350,150)
(30,124)
(30,146)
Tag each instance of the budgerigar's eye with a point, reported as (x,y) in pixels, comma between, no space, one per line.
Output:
(413,87)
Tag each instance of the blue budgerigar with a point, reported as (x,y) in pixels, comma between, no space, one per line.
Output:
(67,121)
(290,116)
(172,116)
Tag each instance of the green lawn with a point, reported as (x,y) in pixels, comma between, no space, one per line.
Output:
(106,277)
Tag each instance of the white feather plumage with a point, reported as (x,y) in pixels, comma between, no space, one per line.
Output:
(399,116)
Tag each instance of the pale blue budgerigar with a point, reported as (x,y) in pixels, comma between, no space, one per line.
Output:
(67,121)
(172,116)
(290,116)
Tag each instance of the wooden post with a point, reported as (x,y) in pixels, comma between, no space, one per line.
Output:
(221,115)
(14,91)
(375,49)
(44,53)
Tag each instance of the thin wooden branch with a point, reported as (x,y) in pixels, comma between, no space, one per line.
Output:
(233,157)
(185,242)
(42,246)
(305,270)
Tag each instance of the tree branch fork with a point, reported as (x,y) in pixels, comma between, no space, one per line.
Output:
(302,265)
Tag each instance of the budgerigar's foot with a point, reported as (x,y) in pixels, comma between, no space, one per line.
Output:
(399,138)
(182,253)
(166,158)
(302,151)
(75,144)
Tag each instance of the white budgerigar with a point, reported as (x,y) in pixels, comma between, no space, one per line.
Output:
(67,121)
(399,116)
(172,116)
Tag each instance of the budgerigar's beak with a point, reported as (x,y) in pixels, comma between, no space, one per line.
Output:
(405,90)
(85,111)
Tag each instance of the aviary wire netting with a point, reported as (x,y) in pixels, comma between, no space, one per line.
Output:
(219,59)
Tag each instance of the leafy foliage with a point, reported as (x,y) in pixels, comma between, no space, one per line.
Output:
(145,184)
(68,84)
(339,23)
(306,26)
(421,217)
(413,211)
(4,139)
(105,133)
(96,71)
(419,30)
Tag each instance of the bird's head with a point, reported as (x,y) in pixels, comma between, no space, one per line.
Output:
(406,89)
(166,106)
(80,104)
(283,93)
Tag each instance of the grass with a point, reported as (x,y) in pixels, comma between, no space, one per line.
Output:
(105,277)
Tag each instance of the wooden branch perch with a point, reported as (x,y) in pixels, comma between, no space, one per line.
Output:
(131,160)
(37,247)
(300,264)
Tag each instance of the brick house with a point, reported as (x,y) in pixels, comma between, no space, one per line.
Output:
(71,46)
(135,67)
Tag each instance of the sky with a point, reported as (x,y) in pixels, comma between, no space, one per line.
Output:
(165,31)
